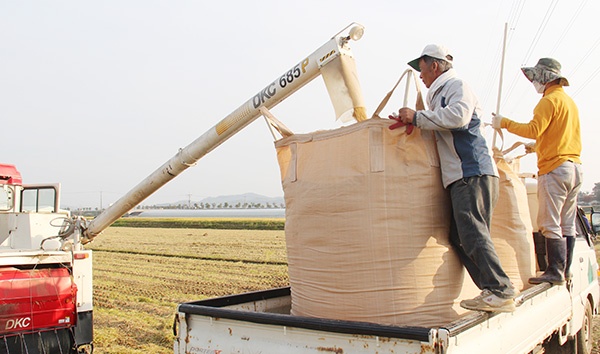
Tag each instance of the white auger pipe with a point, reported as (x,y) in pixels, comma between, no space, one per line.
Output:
(275,92)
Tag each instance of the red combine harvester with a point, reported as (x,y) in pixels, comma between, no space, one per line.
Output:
(37,300)
(45,276)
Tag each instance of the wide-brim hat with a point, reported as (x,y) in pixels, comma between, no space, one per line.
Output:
(434,51)
(546,70)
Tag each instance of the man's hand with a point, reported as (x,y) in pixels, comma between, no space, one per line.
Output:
(398,124)
(406,115)
(530,147)
(497,121)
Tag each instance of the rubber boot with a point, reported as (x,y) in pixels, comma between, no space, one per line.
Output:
(556,249)
(570,248)
(539,242)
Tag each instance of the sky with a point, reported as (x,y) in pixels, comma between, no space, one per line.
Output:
(97,95)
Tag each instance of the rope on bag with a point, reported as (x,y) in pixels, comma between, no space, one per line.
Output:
(419,103)
(274,123)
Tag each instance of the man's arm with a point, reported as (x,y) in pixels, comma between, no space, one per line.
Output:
(541,118)
(454,112)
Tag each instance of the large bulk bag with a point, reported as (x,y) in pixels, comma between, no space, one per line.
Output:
(511,229)
(367,225)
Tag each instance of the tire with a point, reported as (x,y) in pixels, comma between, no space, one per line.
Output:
(553,346)
(584,336)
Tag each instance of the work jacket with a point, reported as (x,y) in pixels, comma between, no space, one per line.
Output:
(555,127)
(454,116)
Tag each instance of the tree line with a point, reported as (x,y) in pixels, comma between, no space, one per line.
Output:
(590,198)
(224,205)
(584,198)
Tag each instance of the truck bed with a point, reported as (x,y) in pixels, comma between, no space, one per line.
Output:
(261,322)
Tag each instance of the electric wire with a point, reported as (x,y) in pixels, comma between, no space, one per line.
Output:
(519,12)
(493,75)
(557,45)
(581,61)
(510,38)
(514,17)
(585,56)
(569,25)
(532,46)
(586,82)
(540,30)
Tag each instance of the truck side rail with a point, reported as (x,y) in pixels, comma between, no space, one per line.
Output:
(216,308)
(464,323)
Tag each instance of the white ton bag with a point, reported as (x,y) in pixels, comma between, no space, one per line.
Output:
(367,224)
(511,229)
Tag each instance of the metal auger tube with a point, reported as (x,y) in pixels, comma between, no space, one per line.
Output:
(275,92)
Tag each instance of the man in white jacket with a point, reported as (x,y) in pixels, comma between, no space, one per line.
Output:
(468,172)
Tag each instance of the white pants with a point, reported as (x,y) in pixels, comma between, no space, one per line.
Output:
(557,197)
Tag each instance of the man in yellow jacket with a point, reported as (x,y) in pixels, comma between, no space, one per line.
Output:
(555,128)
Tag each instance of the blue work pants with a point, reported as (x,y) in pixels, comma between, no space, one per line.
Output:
(473,201)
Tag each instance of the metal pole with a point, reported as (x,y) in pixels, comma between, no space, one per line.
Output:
(502,69)
(501,79)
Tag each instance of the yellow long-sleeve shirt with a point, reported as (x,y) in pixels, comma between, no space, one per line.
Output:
(555,128)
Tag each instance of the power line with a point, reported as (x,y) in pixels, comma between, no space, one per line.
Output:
(589,79)
(517,14)
(571,22)
(533,44)
(513,19)
(491,76)
(540,30)
(586,55)
(583,59)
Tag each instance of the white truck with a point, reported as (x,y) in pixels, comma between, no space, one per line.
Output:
(46,272)
(548,319)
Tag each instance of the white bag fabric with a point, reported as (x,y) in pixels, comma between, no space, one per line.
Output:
(367,224)
(511,230)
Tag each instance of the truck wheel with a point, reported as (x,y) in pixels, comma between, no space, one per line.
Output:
(584,336)
(552,346)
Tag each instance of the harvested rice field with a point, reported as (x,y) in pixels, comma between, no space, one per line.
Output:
(141,274)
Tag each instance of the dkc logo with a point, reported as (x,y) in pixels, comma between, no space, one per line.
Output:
(18,323)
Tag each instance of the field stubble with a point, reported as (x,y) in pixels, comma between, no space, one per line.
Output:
(141,274)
